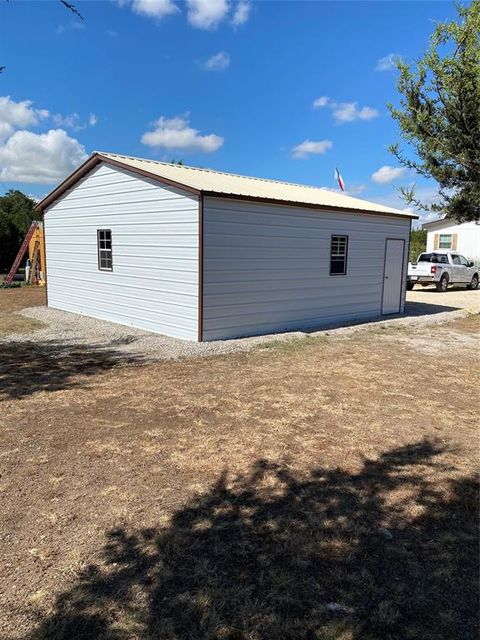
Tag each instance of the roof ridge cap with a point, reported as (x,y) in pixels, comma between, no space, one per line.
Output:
(224,173)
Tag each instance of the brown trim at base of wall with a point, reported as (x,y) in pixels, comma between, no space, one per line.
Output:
(200,267)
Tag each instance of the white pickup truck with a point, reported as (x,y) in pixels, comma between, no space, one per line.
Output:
(442,268)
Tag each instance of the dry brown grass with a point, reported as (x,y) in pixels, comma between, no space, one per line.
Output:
(12,300)
(20,297)
(240,497)
(14,323)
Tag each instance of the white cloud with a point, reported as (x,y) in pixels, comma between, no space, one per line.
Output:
(71,121)
(353,190)
(308,147)
(356,189)
(346,111)
(426,193)
(176,133)
(39,158)
(15,115)
(157,9)
(388,63)
(201,14)
(73,25)
(349,111)
(218,62)
(323,101)
(206,14)
(387,174)
(241,13)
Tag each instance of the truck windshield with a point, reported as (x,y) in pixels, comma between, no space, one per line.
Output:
(433,257)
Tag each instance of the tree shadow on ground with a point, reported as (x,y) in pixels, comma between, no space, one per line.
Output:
(385,553)
(29,367)
(427,308)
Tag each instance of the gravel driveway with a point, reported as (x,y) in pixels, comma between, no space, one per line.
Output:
(64,330)
(455,298)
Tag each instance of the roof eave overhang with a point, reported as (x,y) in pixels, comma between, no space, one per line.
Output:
(433,223)
(68,182)
(307,205)
(97,158)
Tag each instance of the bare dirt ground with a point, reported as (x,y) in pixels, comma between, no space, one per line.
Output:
(320,489)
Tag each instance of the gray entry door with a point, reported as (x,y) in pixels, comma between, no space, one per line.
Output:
(393,275)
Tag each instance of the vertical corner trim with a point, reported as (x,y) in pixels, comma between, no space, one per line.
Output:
(200,267)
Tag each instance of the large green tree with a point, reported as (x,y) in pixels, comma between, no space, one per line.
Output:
(16,215)
(439,116)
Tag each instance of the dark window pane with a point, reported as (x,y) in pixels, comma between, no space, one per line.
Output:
(338,255)
(337,267)
(104,249)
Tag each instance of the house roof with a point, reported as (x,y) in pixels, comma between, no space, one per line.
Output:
(433,223)
(218,183)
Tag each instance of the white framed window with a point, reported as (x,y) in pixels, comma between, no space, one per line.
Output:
(338,255)
(445,241)
(104,249)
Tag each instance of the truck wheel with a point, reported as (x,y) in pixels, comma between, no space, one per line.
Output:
(474,282)
(442,285)
(410,286)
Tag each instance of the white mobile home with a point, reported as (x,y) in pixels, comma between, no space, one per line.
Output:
(449,234)
(204,255)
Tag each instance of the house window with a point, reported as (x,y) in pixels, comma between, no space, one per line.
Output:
(445,241)
(338,255)
(104,248)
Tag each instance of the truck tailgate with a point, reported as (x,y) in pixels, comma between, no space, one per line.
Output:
(420,269)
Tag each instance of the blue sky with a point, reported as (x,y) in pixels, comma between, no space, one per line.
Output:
(285,90)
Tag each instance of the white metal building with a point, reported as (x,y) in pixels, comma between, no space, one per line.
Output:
(448,234)
(205,255)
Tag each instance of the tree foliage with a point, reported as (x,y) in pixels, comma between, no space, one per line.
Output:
(16,215)
(439,116)
(418,243)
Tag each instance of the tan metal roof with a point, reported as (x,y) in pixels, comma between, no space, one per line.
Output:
(209,181)
(222,183)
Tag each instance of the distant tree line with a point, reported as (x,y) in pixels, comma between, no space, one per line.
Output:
(418,243)
(16,215)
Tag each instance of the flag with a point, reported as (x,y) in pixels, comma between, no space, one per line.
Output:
(339,179)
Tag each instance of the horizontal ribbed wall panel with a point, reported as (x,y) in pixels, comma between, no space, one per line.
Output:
(266,267)
(154,282)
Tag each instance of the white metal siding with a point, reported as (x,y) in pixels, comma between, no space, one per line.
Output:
(154,282)
(266,267)
(468,238)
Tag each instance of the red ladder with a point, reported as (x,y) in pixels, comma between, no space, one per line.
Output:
(20,254)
